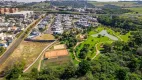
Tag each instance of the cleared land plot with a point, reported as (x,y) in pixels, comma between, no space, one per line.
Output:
(26,51)
(45,37)
(56,53)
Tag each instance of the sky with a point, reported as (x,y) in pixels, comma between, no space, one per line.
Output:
(44,0)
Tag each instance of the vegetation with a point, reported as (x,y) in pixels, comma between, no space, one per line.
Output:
(26,51)
(68,38)
(118,22)
(45,37)
(74,4)
(120,4)
(117,60)
(41,5)
(2,50)
(112,9)
(17,35)
(87,49)
(136,10)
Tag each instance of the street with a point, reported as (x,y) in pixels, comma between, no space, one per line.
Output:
(14,45)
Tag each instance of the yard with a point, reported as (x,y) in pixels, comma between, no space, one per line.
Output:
(26,52)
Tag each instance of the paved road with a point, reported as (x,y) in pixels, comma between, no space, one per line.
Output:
(49,31)
(13,46)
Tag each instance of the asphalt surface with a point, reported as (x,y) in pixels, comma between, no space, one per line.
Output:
(11,49)
(14,45)
(49,31)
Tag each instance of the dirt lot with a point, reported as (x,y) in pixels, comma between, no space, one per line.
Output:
(45,37)
(26,51)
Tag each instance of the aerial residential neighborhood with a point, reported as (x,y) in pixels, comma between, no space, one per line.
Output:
(70,40)
(12,24)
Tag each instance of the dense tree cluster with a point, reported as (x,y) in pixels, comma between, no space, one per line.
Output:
(112,9)
(69,39)
(84,51)
(71,71)
(117,22)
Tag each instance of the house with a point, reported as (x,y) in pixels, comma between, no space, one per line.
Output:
(57,27)
(4,24)
(41,26)
(56,54)
(14,28)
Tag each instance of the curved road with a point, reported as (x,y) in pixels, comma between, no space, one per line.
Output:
(75,53)
(97,51)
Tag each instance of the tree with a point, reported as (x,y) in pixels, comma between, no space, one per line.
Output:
(139,51)
(134,76)
(125,48)
(15,72)
(83,68)
(46,77)
(121,74)
(99,35)
(89,76)
(107,48)
(82,55)
(68,73)
(118,45)
(133,65)
(34,73)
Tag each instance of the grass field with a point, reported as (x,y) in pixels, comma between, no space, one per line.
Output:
(41,4)
(92,41)
(56,63)
(26,51)
(45,37)
(121,4)
(136,9)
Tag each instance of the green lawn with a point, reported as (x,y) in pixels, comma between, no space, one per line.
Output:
(136,9)
(92,41)
(73,58)
(125,38)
